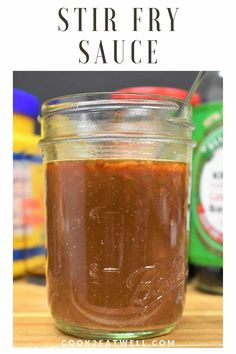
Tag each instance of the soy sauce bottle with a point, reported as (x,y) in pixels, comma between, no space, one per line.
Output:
(206,229)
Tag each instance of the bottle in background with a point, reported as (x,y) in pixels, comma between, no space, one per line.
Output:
(206,227)
(28,221)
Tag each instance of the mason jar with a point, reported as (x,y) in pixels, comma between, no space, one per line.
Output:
(117,191)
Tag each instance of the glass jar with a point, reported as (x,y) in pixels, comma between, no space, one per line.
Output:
(117,192)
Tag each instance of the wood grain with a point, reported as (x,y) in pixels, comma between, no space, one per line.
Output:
(200,326)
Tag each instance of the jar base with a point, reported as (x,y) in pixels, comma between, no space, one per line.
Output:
(104,334)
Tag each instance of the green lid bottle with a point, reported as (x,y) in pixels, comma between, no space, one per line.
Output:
(206,227)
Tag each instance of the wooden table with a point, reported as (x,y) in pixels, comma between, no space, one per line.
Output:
(200,326)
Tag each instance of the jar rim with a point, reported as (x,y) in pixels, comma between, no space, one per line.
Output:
(81,100)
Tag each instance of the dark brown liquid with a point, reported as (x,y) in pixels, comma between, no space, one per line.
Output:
(117,242)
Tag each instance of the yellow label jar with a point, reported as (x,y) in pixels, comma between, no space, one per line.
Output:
(28,233)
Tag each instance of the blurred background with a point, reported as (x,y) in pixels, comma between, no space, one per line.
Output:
(49,84)
(206,234)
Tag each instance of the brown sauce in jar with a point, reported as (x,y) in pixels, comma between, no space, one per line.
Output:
(117,239)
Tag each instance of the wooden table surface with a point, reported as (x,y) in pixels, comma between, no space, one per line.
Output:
(200,326)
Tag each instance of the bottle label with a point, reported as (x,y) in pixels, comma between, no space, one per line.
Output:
(208,191)
(210,209)
(21,190)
